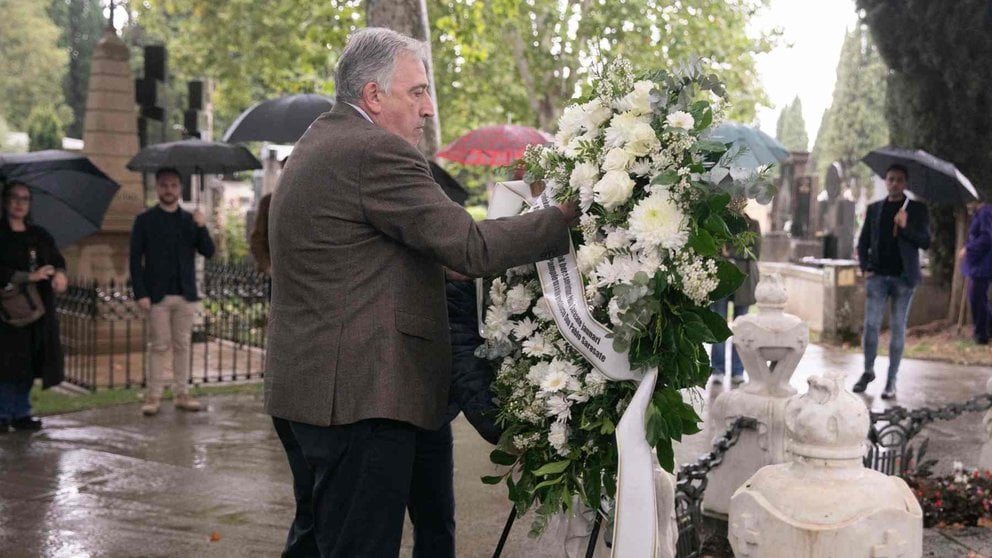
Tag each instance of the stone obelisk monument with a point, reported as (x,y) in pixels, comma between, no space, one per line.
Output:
(110,139)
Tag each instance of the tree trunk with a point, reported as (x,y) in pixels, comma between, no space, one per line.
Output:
(409,17)
(958,281)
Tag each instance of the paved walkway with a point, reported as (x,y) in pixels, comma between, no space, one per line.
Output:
(112,483)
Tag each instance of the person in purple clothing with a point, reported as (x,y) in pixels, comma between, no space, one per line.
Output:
(977,253)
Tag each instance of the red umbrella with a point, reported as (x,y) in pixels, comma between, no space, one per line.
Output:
(495,146)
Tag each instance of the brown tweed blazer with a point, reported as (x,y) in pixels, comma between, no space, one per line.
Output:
(358,234)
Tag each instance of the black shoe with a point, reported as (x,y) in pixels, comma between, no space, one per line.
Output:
(4,426)
(863,382)
(26,423)
(981,341)
(717,379)
(890,390)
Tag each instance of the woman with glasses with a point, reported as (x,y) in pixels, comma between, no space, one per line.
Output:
(28,256)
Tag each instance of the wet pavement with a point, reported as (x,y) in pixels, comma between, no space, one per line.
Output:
(109,482)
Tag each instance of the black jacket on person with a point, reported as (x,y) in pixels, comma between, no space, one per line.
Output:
(470,375)
(151,253)
(35,350)
(915,236)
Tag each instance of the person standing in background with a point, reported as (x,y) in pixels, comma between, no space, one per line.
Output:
(977,254)
(742,298)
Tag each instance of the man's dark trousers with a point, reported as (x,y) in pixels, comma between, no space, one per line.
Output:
(301,541)
(362,473)
(981,309)
(432,495)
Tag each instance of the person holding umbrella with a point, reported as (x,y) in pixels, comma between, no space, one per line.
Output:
(30,263)
(894,232)
(164,240)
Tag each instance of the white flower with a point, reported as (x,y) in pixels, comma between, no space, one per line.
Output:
(617,159)
(559,407)
(680,119)
(641,140)
(617,133)
(497,292)
(524,328)
(537,373)
(520,271)
(589,256)
(596,114)
(613,189)
(613,308)
(554,381)
(569,124)
(525,441)
(518,299)
(617,239)
(542,311)
(641,168)
(589,226)
(558,438)
(498,325)
(595,382)
(656,221)
(638,101)
(649,261)
(583,177)
(536,346)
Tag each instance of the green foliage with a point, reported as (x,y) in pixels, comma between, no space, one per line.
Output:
(939,89)
(31,62)
(81,24)
(791,127)
(44,129)
(235,236)
(855,122)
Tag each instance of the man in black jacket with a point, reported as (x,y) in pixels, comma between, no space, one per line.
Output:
(894,232)
(164,241)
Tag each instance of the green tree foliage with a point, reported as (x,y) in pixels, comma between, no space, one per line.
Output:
(855,122)
(44,129)
(81,24)
(791,127)
(31,62)
(939,90)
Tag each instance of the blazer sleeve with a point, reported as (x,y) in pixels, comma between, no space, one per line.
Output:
(400,198)
(917,229)
(259,242)
(136,258)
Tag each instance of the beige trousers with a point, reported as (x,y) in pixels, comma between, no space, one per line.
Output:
(170,325)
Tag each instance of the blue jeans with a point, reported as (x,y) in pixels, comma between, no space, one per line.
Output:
(15,399)
(879,289)
(718,353)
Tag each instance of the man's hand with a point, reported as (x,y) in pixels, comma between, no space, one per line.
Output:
(900,218)
(962,252)
(60,282)
(145,303)
(43,273)
(199,218)
(570,210)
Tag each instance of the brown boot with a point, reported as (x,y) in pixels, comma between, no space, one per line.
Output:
(186,402)
(151,406)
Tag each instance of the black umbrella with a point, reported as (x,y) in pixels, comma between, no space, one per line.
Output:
(452,187)
(933,179)
(281,120)
(69,194)
(194,156)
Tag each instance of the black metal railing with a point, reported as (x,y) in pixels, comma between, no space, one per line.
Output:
(104,332)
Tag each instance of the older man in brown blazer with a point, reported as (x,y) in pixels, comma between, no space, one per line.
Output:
(360,236)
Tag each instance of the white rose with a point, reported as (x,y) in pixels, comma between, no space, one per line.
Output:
(638,101)
(617,160)
(589,256)
(680,119)
(584,175)
(642,140)
(613,189)
(596,114)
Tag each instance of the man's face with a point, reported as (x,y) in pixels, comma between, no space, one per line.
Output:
(169,188)
(405,108)
(895,182)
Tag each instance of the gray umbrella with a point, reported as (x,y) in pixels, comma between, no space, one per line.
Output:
(282,120)
(753,148)
(69,194)
(930,178)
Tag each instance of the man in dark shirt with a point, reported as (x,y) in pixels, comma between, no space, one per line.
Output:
(163,245)
(895,230)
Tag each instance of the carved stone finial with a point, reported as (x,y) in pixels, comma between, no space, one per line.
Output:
(770,293)
(828,422)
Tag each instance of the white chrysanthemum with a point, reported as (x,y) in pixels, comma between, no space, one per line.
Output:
(595,382)
(554,381)
(638,101)
(596,114)
(613,189)
(649,261)
(559,407)
(497,292)
(558,438)
(498,325)
(591,293)
(570,124)
(681,120)
(536,346)
(617,133)
(542,311)
(657,222)
(617,239)
(613,308)
(641,140)
(617,159)
(564,366)
(583,177)
(518,299)
(589,225)
(537,373)
(589,256)
(524,328)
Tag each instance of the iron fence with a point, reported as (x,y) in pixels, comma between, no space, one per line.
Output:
(105,334)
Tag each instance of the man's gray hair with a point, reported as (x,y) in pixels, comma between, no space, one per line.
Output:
(370,57)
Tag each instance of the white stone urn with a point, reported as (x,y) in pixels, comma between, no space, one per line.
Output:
(825,503)
(770,344)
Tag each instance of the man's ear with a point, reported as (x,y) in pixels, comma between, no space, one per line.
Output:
(372,97)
